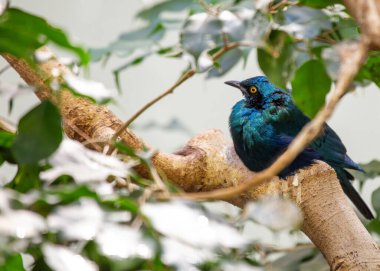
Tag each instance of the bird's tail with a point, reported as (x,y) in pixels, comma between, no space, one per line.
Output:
(352,194)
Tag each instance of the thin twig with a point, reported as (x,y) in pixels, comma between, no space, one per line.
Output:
(351,64)
(189,73)
(182,79)
(89,141)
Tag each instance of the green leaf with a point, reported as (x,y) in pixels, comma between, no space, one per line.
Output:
(39,134)
(165,50)
(374,226)
(6,139)
(122,203)
(310,85)
(276,61)
(203,32)
(136,61)
(13,263)
(371,69)
(125,149)
(226,63)
(319,3)
(22,33)
(348,28)
(376,201)
(372,170)
(143,39)
(27,177)
(72,193)
(199,32)
(154,12)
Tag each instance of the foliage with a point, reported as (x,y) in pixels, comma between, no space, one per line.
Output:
(64,209)
(286,34)
(21,39)
(39,134)
(310,86)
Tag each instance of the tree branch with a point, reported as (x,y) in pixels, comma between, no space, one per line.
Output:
(209,162)
(367,14)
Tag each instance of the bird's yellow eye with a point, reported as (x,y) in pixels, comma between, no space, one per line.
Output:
(253,90)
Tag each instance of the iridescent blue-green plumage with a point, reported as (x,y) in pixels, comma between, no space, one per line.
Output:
(264,123)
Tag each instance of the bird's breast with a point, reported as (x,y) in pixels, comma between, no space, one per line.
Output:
(254,142)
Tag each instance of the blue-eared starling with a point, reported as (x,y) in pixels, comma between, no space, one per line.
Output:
(265,122)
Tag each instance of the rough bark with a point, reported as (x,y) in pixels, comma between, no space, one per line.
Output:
(208,161)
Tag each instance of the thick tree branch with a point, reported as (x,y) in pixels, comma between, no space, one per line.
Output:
(367,14)
(209,162)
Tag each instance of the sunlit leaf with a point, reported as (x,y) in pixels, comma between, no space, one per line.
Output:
(304,22)
(79,221)
(332,61)
(60,258)
(122,241)
(202,31)
(88,88)
(39,134)
(177,220)
(84,165)
(204,62)
(276,213)
(23,33)
(21,224)
(183,255)
(310,86)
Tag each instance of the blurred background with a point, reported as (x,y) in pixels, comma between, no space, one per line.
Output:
(195,106)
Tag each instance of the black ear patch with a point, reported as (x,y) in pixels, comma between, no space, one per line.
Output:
(278,102)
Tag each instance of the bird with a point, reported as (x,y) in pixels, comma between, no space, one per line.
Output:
(264,123)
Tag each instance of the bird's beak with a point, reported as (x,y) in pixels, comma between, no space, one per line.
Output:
(235,84)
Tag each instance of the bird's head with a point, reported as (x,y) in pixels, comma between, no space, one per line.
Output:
(256,90)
